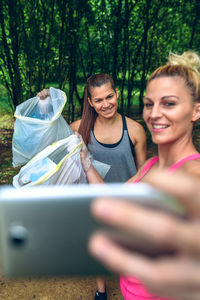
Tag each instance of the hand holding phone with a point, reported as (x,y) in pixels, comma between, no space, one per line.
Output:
(118,214)
(45,230)
(170,276)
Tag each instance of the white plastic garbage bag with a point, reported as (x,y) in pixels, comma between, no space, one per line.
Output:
(38,124)
(58,163)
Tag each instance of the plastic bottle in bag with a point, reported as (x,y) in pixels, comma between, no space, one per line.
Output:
(46,108)
(43,110)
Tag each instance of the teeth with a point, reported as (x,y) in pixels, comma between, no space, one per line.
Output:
(160,126)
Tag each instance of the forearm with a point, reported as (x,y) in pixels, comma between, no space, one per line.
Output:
(86,160)
(93,176)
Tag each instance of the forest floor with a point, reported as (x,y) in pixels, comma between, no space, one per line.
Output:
(52,288)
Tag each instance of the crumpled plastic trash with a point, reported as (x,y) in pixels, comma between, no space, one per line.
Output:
(38,124)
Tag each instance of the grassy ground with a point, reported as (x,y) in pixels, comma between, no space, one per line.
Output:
(6,130)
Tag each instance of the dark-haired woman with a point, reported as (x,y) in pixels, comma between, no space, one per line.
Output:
(111,137)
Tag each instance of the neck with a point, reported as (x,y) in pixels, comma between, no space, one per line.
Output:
(110,121)
(169,154)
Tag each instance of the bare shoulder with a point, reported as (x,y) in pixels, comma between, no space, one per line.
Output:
(192,167)
(133,125)
(75,125)
(135,130)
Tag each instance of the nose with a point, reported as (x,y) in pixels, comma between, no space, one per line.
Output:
(155,111)
(105,103)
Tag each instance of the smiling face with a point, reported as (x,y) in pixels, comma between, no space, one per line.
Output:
(104,100)
(169,112)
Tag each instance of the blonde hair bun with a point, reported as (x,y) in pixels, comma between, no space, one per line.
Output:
(188,59)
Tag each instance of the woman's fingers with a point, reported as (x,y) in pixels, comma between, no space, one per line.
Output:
(167,276)
(43,94)
(86,156)
(111,255)
(183,187)
(165,270)
(156,227)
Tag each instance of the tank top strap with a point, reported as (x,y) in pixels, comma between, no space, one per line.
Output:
(124,122)
(125,128)
(147,167)
(177,165)
(173,168)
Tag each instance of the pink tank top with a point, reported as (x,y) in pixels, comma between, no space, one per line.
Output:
(132,288)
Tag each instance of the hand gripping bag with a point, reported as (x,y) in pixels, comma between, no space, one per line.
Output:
(38,124)
(58,163)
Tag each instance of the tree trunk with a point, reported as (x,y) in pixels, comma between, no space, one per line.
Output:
(61,45)
(116,40)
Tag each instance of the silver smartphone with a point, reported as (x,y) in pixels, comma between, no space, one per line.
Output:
(44,230)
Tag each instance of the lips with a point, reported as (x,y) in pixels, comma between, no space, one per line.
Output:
(159,126)
(107,110)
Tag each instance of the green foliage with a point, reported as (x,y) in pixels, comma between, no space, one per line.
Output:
(66,41)
(6,110)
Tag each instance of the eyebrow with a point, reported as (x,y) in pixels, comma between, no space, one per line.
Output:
(146,98)
(96,99)
(163,98)
(99,98)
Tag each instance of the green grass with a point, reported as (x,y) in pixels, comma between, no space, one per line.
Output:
(6,111)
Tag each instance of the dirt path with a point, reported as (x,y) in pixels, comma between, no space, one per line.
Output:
(56,289)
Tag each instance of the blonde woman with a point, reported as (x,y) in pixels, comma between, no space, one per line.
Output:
(171,108)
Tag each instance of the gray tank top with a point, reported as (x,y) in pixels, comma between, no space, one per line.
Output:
(120,156)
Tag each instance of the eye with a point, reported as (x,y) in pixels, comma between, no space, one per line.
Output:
(110,96)
(169,103)
(98,101)
(148,105)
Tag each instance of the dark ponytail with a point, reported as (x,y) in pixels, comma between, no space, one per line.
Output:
(89,116)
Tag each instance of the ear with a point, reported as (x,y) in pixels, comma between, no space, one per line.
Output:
(90,102)
(196,112)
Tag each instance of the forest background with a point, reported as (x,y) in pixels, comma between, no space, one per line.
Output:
(60,43)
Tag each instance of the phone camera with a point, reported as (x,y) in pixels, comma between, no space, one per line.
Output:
(18,235)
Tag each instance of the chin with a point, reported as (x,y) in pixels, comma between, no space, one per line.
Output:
(154,142)
(161,142)
(157,141)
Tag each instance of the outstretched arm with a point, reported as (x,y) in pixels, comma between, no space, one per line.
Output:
(176,276)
